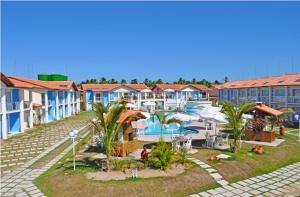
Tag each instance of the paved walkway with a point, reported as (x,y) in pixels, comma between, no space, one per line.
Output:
(212,172)
(282,182)
(20,182)
(19,149)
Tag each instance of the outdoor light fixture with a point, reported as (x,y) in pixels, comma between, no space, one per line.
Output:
(297,118)
(73,135)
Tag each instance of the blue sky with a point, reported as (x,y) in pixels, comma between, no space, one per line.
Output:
(152,40)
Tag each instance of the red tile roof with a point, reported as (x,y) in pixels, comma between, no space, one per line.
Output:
(268,110)
(181,86)
(110,87)
(20,82)
(5,80)
(283,80)
(130,113)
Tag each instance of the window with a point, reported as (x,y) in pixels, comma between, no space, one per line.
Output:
(279,92)
(252,92)
(98,96)
(265,92)
(43,98)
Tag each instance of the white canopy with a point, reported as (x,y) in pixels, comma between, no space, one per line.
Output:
(121,90)
(146,90)
(183,117)
(146,114)
(129,105)
(188,90)
(169,90)
(212,114)
(149,103)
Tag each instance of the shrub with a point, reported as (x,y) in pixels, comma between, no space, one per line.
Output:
(122,165)
(181,156)
(161,156)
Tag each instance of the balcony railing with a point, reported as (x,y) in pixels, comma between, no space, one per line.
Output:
(278,99)
(294,99)
(12,106)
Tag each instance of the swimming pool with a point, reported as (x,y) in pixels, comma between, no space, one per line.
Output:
(153,128)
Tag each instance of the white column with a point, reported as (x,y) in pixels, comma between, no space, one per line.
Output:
(270,96)
(286,96)
(139,100)
(30,110)
(46,107)
(69,103)
(63,105)
(177,99)
(56,106)
(78,102)
(164,96)
(73,101)
(21,96)
(4,120)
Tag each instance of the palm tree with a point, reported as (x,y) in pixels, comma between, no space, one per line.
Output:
(164,120)
(108,124)
(235,120)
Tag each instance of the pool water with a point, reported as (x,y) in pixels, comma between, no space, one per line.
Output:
(154,128)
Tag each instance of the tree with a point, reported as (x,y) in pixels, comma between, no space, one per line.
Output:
(159,81)
(103,80)
(164,120)
(123,81)
(235,120)
(93,81)
(107,123)
(276,120)
(216,82)
(181,81)
(113,81)
(194,81)
(226,79)
(134,81)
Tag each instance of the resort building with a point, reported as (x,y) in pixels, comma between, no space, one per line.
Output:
(106,93)
(162,96)
(276,92)
(26,102)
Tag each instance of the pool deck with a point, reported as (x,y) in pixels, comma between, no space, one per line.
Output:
(195,125)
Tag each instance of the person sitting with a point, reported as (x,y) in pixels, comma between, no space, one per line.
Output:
(144,154)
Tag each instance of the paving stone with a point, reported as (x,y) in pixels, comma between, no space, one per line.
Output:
(204,194)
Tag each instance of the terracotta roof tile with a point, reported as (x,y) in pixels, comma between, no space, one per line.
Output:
(5,80)
(264,108)
(110,87)
(20,82)
(283,80)
(129,113)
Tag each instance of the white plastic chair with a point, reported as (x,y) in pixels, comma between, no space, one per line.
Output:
(188,144)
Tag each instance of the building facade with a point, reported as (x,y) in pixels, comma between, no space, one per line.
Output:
(163,96)
(276,92)
(27,102)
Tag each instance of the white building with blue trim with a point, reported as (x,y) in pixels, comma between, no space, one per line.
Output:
(27,102)
(277,92)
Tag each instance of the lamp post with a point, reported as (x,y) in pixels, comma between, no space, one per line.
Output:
(73,135)
(297,118)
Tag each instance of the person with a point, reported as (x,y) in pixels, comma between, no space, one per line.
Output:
(144,154)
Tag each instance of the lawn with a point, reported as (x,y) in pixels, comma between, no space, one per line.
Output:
(245,164)
(59,181)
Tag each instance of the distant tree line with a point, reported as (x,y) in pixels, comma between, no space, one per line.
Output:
(151,83)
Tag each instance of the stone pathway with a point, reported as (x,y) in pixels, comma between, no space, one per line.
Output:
(19,149)
(20,181)
(212,172)
(282,182)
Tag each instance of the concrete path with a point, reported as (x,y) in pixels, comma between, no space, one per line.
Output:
(282,182)
(20,181)
(212,172)
(19,149)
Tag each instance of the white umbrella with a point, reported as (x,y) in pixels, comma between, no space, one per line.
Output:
(183,117)
(130,105)
(146,114)
(149,103)
(169,90)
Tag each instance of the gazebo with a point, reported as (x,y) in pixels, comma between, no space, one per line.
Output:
(257,129)
(127,142)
